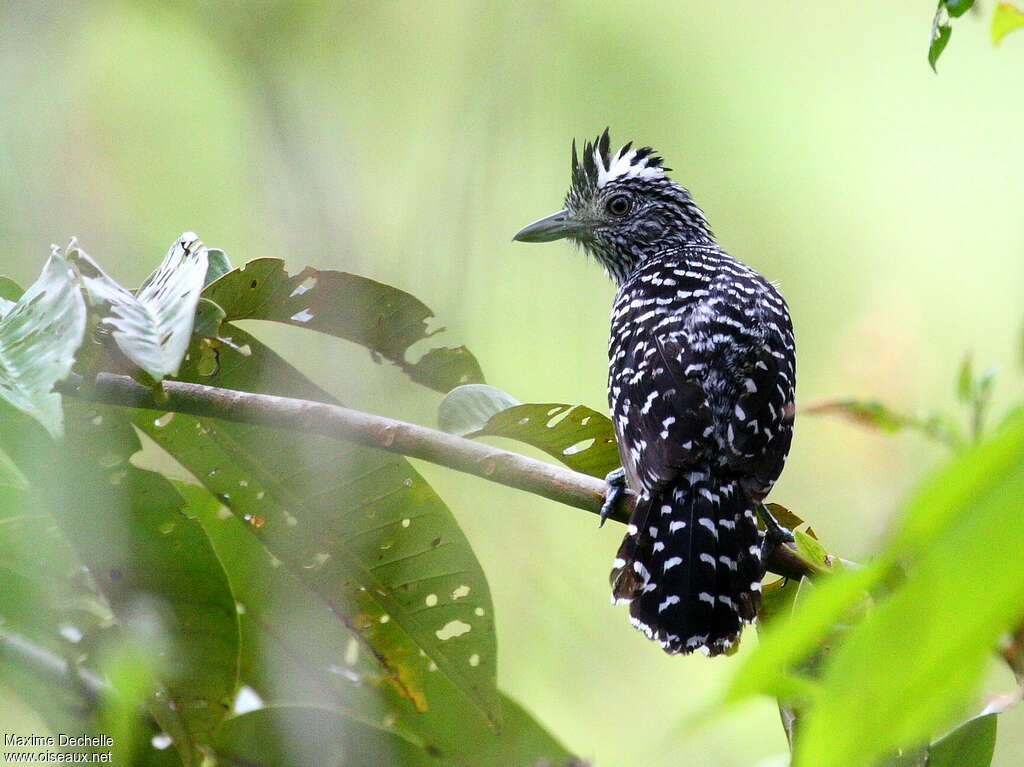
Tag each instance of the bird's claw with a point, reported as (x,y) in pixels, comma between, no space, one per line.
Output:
(616,481)
(774,533)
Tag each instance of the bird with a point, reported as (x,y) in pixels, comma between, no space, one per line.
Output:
(701,389)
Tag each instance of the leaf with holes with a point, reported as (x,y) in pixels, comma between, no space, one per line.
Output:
(39,335)
(293,650)
(577,436)
(155,567)
(153,326)
(384,319)
(364,533)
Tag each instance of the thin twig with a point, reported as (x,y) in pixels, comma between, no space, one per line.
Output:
(492,463)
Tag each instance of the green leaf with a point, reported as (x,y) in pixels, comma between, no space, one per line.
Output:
(811,550)
(777,600)
(217,265)
(957,8)
(298,736)
(283,736)
(10,292)
(208,319)
(289,642)
(384,319)
(877,415)
(941,29)
(790,639)
(153,326)
(972,744)
(871,413)
(965,380)
(155,567)
(39,336)
(940,38)
(360,528)
(468,408)
(577,436)
(961,537)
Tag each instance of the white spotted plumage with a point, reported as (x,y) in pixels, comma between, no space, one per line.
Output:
(701,390)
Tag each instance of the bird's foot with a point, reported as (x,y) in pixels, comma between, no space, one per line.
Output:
(774,533)
(616,481)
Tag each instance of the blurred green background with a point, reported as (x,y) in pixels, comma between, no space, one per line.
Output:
(407,141)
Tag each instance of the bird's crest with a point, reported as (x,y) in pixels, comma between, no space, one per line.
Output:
(599,165)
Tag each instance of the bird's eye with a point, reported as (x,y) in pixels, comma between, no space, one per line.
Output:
(619,205)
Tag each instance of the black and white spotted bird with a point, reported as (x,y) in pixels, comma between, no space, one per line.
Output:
(701,381)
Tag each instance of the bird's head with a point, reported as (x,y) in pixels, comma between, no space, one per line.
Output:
(622,208)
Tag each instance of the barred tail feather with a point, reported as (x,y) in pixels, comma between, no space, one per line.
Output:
(689,566)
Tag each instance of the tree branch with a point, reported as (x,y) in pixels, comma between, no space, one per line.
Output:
(492,463)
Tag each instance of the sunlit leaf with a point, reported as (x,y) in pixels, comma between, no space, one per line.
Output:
(382,318)
(576,435)
(810,549)
(364,533)
(39,336)
(962,537)
(972,744)
(153,326)
(467,409)
(1005,19)
(131,670)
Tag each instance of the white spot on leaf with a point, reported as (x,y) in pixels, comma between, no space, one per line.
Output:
(452,629)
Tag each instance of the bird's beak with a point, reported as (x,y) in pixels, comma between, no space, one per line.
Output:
(554,227)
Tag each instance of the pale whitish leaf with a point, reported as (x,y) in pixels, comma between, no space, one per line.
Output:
(39,336)
(152,327)
(466,409)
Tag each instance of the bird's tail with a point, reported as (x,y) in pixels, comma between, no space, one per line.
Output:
(690,565)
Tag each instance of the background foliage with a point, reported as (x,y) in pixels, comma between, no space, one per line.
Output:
(406,143)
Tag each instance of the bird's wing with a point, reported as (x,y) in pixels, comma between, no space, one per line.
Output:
(760,427)
(666,424)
